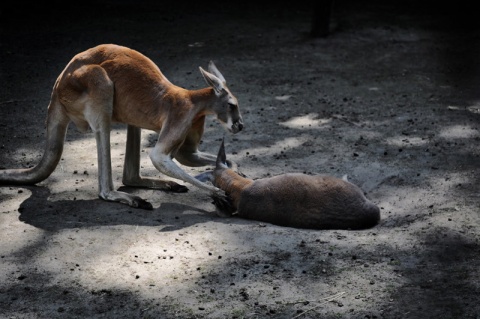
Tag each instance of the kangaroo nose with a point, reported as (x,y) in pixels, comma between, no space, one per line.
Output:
(237,126)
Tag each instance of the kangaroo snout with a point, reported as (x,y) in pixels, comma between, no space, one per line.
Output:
(237,126)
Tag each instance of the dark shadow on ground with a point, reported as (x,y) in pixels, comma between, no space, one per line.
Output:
(433,277)
(54,216)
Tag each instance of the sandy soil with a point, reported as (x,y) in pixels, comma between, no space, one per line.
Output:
(390,98)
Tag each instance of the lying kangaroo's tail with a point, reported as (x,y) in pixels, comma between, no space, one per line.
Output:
(57,123)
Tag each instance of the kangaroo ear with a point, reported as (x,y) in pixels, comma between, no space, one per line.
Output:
(213,69)
(205,177)
(213,81)
(221,157)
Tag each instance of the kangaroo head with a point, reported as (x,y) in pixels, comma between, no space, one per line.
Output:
(225,104)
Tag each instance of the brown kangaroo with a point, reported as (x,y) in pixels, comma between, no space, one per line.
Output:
(110,83)
(293,199)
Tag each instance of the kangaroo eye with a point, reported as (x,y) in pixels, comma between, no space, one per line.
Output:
(232,106)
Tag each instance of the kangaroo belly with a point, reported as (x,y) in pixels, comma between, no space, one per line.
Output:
(304,201)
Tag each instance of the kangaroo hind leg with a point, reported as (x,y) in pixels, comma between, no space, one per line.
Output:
(189,155)
(131,168)
(98,113)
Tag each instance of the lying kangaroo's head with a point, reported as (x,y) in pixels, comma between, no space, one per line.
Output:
(215,176)
(228,180)
(226,104)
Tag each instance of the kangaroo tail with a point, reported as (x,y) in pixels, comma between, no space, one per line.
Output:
(57,124)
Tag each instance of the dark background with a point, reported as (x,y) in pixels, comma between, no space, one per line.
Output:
(392,92)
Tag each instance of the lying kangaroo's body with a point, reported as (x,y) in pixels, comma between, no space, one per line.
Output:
(110,83)
(293,200)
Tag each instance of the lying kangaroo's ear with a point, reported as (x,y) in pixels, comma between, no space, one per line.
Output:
(205,177)
(213,81)
(221,157)
(213,69)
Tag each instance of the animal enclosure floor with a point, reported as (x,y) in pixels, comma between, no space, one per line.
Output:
(390,98)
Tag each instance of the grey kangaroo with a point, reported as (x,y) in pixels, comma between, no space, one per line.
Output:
(293,199)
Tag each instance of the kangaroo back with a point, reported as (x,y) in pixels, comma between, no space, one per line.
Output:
(305,201)
(294,200)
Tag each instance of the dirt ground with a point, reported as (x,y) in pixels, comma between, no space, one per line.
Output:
(390,98)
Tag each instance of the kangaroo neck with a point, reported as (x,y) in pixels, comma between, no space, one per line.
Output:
(232,184)
(202,97)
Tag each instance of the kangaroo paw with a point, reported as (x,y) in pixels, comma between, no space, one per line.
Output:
(223,203)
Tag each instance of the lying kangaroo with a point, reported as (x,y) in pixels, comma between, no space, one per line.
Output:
(111,83)
(294,200)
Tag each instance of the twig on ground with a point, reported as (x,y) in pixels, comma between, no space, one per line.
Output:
(11,101)
(345,120)
(327,299)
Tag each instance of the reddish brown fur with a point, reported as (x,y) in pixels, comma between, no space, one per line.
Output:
(132,104)
(232,183)
(294,200)
(110,83)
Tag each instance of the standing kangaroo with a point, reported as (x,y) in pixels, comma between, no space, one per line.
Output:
(110,83)
(293,200)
